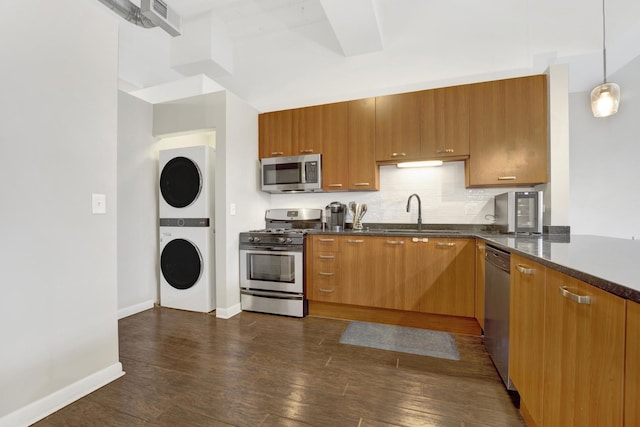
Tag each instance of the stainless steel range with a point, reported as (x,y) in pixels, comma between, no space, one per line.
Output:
(272,262)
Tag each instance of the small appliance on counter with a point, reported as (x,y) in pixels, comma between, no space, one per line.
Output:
(357,211)
(336,214)
(519,212)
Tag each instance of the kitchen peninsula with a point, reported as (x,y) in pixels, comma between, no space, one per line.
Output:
(574,303)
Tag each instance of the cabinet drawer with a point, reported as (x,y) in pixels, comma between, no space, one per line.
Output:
(325,291)
(327,243)
(325,261)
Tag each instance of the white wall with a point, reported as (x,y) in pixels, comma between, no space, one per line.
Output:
(240,179)
(58,308)
(445,200)
(137,206)
(556,191)
(604,162)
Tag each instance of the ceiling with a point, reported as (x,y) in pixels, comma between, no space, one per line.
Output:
(286,53)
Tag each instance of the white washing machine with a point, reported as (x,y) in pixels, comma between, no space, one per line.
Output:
(187,267)
(186,182)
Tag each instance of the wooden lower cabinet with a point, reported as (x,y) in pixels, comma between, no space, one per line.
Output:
(526,334)
(480,265)
(584,354)
(446,272)
(632,368)
(387,286)
(432,276)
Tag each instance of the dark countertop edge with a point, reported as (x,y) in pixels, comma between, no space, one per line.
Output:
(617,289)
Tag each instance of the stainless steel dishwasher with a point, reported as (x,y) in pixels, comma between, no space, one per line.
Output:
(496,310)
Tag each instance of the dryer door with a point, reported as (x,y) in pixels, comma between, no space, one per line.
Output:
(180,182)
(181,263)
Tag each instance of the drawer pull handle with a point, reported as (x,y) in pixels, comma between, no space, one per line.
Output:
(420,239)
(322,273)
(398,154)
(395,242)
(326,291)
(524,269)
(507,178)
(307,151)
(327,240)
(277,153)
(355,241)
(446,150)
(335,185)
(326,256)
(361,184)
(445,244)
(580,299)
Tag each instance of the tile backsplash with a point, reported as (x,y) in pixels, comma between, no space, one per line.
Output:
(445,200)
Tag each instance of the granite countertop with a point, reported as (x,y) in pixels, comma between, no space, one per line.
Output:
(605,262)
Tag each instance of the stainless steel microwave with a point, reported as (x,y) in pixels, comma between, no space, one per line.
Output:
(519,212)
(292,174)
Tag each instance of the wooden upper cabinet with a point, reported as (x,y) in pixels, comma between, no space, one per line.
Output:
(363,171)
(445,122)
(308,135)
(398,127)
(334,149)
(275,133)
(508,132)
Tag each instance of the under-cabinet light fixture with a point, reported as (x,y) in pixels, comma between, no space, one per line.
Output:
(424,164)
(605,98)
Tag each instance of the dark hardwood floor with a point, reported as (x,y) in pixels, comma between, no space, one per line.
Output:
(191,369)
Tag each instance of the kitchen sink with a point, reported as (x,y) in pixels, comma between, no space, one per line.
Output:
(410,231)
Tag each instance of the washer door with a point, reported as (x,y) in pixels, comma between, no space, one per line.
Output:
(180,182)
(181,264)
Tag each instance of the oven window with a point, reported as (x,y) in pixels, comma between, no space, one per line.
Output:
(284,173)
(271,267)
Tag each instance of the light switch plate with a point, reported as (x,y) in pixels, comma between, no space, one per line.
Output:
(98,204)
(232,209)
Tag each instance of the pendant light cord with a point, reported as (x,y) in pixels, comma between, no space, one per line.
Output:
(604,46)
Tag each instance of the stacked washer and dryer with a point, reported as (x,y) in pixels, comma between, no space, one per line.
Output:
(186,213)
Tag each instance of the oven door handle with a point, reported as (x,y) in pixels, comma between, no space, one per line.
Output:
(273,249)
(273,295)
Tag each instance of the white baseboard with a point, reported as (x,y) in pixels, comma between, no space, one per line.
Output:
(228,313)
(134,309)
(41,408)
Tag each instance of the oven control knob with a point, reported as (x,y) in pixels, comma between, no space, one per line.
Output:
(281,240)
(255,239)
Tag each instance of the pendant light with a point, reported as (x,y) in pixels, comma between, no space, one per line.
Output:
(605,98)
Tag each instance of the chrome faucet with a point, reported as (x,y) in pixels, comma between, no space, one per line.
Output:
(419,209)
